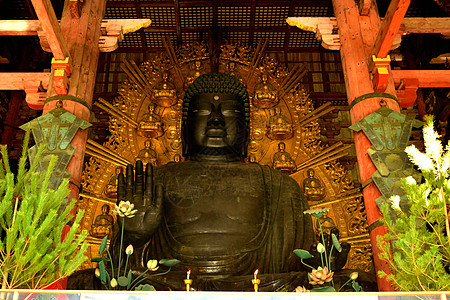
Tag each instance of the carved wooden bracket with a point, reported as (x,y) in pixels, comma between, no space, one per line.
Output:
(408,81)
(407,92)
(61,72)
(380,73)
(33,83)
(113,31)
(35,94)
(323,27)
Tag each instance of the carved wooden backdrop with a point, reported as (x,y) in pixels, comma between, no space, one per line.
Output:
(145,123)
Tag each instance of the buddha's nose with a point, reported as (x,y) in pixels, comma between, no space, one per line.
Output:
(216,117)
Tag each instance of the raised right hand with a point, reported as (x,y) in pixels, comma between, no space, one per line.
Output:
(147,199)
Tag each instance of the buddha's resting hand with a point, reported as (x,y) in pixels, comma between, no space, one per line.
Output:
(147,199)
(337,260)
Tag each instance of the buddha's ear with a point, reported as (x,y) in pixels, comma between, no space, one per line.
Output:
(184,145)
(246,142)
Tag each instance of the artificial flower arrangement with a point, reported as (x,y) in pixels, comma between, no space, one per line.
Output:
(123,280)
(322,277)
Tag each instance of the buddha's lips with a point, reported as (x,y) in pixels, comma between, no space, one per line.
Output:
(215,132)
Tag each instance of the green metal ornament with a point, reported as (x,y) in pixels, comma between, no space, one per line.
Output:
(55,130)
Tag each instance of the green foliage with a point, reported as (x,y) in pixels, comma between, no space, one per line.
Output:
(32,217)
(420,237)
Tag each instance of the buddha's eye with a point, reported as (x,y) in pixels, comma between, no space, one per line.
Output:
(230,109)
(202,109)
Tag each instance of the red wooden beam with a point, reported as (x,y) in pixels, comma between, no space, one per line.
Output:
(390,26)
(426,78)
(46,14)
(18,81)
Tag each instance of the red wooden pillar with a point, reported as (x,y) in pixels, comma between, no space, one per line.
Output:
(357,36)
(82,36)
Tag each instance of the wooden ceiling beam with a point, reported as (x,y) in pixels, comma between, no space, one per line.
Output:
(389,27)
(52,30)
(113,31)
(427,25)
(19,27)
(32,27)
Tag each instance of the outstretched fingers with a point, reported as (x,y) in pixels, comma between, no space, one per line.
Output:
(148,192)
(139,179)
(121,188)
(129,182)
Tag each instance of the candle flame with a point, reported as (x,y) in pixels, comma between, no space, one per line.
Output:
(188,273)
(256,272)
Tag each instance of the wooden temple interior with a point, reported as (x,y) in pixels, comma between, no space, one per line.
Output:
(318,56)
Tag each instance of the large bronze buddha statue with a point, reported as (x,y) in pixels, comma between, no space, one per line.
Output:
(221,217)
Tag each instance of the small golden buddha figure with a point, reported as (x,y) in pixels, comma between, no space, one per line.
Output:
(111,188)
(313,187)
(150,126)
(147,155)
(279,127)
(164,92)
(231,70)
(265,94)
(196,71)
(283,161)
(103,223)
(326,222)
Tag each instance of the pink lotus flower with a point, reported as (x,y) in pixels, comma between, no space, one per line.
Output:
(320,276)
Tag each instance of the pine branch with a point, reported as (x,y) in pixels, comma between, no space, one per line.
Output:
(29,216)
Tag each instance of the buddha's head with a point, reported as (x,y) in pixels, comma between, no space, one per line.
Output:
(106,209)
(216,117)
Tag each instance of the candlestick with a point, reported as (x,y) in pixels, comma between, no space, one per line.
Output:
(188,281)
(255,280)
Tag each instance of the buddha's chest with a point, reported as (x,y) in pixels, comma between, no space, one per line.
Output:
(215,195)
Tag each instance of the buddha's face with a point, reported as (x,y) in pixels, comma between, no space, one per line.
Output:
(216,125)
(105,209)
